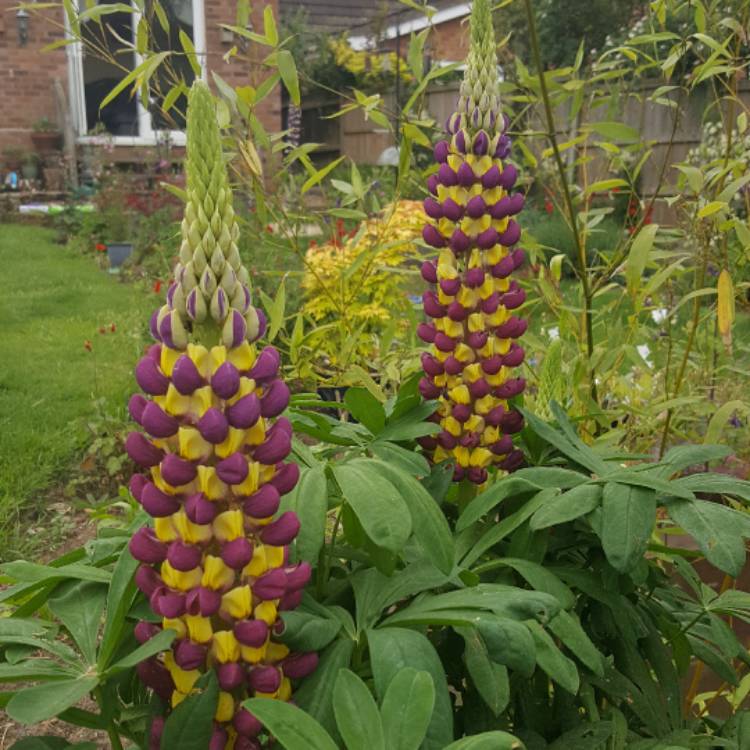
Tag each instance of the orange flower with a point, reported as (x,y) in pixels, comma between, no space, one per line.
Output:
(101,248)
(112,327)
(87,345)
(157,286)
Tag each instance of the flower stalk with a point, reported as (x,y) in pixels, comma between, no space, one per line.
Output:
(215,563)
(472,297)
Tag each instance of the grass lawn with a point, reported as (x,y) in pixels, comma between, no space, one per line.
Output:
(53,301)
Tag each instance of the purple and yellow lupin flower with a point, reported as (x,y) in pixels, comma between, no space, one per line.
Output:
(215,563)
(471,301)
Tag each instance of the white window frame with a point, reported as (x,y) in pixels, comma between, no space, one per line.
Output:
(147,136)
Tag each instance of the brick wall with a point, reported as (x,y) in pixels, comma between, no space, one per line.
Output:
(27,74)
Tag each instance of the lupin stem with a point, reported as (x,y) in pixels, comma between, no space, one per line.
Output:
(580,249)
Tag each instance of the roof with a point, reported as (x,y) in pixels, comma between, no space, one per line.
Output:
(366,18)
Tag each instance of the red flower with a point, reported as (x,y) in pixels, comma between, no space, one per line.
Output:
(157,286)
(101,248)
(102,329)
(548,207)
(87,345)
(112,327)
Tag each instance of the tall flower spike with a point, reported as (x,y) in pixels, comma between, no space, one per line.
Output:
(215,563)
(471,299)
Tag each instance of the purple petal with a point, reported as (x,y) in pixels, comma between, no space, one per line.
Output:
(150,378)
(142,450)
(281,531)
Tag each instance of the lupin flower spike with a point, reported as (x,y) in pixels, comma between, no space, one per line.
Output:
(215,564)
(471,299)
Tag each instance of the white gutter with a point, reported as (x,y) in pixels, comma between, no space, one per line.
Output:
(459,10)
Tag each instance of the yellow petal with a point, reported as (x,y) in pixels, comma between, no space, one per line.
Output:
(474,423)
(485,404)
(460,395)
(225,647)
(274,556)
(256,434)
(452,425)
(229,525)
(284,692)
(190,532)
(176,403)
(480,457)
(251,481)
(266,611)
(472,372)
(164,529)
(199,628)
(225,707)
(462,455)
(253,655)
(231,444)
(178,579)
(475,322)
(218,357)
(183,680)
(211,486)
(192,444)
(247,386)
(199,355)
(167,359)
(202,400)
(177,698)
(464,353)
(216,574)
(175,624)
(258,565)
(242,356)
(276,651)
(237,603)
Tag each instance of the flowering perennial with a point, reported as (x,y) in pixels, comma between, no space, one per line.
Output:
(215,563)
(471,301)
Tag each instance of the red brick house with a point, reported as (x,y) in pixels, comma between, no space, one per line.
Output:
(28,75)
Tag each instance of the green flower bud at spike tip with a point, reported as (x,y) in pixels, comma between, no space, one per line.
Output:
(212,448)
(209,267)
(473,332)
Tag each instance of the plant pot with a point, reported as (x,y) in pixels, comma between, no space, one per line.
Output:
(47,141)
(118,253)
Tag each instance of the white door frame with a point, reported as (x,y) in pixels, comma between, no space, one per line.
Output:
(147,136)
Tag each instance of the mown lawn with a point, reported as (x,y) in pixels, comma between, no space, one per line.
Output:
(53,301)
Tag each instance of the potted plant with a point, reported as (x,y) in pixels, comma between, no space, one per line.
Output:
(119,249)
(46,136)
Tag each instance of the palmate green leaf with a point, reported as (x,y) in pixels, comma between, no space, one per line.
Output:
(407,460)
(365,408)
(570,505)
(508,525)
(357,716)
(190,725)
(10,626)
(291,726)
(428,522)
(682,456)
(42,702)
(719,484)
(628,519)
(315,696)
(490,498)
(120,597)
(649,480)
(377,504)
(716,529)
(79,606)
(508,642)
(487,741)
(567,628)
(33,670)
(28,572)
(406,711)
(392,649)
(160,642)
(54,647)
(490,679)
(540,578)
(304,631)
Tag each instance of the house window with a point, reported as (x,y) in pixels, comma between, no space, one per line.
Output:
(127,118)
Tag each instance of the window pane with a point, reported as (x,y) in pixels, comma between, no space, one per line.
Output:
(179,14)
(101,75)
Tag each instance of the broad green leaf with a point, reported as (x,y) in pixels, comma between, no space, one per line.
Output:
(311,506)
(189,49)
(570,505)
(407,709)
(79,606)
(552,661)
(288,73)
(291,726)
(190,725)
(136,76)
(647,480)
(307,632)
(430,526)
(616,131)
(490,679)
(120,596)
(589,736)
(365,408)
(407,460)
(718,484)
(605,185)
(357,716)
(269,26)
(628,519)
(42,702)
(320,174)
(315,696)
(160,642)
(28,572)
(683,456)
(508,642)
(541,579)
(640,250)
(718,422)
(392,649)
(487,741)
(492,497)
(377,504)
(715,529)
(568,629)
(33,670)
(711,208)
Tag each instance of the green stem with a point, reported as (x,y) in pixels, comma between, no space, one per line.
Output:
(112,733)
(580,249)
